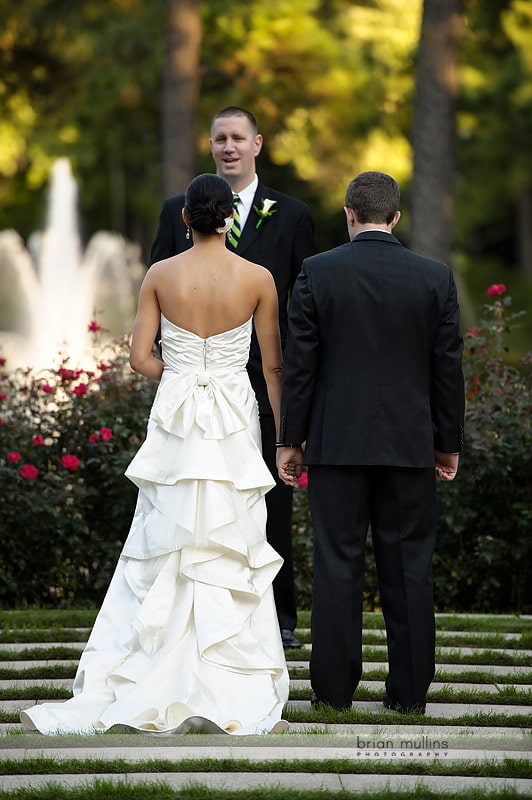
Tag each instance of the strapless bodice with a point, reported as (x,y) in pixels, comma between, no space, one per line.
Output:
(204,382)
(186,351)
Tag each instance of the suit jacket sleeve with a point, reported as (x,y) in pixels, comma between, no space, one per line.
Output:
(300,364)
(447,380)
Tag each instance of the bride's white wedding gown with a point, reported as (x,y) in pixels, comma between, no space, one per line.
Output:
(187,637)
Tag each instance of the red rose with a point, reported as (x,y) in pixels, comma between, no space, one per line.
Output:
(70,462)
(28,471)
(47,388)
(106,434)
(3,396)
(38,439)
(103,367)
(94,438)
(496,288)
(13,457)
(303,479)
(1,421)
(2,361)
(69,374)
(80,389)
(93,326)
(473,331)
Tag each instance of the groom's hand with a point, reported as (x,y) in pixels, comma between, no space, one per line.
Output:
(290,464)
(446,465)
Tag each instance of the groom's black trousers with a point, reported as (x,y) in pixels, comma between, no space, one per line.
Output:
(400,505)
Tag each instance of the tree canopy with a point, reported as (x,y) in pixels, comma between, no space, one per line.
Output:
(331,82)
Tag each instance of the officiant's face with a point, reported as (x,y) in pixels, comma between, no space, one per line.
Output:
(234,147)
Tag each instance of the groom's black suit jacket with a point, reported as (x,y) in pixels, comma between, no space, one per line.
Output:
(280,243)
(372,367)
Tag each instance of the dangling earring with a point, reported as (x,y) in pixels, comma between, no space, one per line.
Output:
(188,233)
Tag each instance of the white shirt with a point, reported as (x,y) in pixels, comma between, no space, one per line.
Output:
(246,201)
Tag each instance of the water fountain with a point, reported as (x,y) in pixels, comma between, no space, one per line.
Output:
(55,289)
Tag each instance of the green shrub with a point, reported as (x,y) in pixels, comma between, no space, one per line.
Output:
(65,440)
(483,555)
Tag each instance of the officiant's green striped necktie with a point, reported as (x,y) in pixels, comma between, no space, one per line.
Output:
(234,234)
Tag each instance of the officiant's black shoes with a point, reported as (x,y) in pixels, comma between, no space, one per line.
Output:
(316,703)
(392,705)
(290,642)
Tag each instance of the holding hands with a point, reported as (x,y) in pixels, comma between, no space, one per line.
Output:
(289,464)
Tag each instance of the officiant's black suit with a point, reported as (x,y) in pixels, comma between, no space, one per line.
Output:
(373,384)
(280,243)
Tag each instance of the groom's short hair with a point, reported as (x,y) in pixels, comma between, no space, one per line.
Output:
(374,197)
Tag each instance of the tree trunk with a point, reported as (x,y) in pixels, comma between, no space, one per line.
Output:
(433,140)
(180,94)
(525,228)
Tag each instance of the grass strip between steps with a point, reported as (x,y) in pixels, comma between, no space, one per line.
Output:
(509,768)
(100,789)
(79,618)
(507,696)
(522,678)
(479,720)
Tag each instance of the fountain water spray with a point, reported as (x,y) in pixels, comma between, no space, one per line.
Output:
(59,286)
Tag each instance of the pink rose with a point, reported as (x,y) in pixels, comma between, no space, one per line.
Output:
(69,374)
(303,480)
(13,457)
(28,471)
(106,434)
(93,326)
(38,440)
(80,389)
(496,288)
(47,388)
(70,462)
(3,396)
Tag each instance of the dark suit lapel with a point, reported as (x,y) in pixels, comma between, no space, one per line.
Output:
(250,231)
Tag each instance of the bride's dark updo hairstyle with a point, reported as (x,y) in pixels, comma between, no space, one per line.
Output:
(208,201)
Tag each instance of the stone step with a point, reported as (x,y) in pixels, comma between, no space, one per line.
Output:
(366,744)
(305,632)
(19,647)
(436,710)
(242,781)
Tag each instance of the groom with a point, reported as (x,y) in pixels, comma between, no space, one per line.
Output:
(373,383)
(276,231)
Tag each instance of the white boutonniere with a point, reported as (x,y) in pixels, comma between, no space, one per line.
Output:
(265,211)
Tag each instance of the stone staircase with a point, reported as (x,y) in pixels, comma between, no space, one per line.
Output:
(476,732)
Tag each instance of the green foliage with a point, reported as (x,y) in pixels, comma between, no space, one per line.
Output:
(62,527)
(483,555)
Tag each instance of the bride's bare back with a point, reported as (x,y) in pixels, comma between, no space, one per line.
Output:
(209,293)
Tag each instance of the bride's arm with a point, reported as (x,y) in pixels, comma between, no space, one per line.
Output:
(145,329)
(266,321)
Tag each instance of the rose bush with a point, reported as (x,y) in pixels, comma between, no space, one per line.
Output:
(483,555)
(66,505)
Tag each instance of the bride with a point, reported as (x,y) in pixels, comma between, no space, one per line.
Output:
(187,637)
